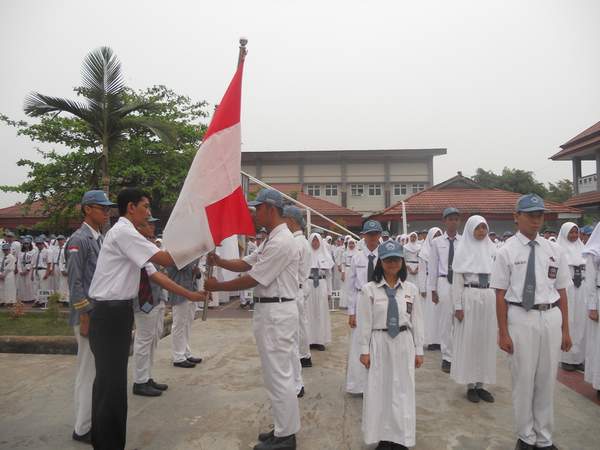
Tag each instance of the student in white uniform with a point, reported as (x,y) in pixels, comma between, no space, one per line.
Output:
(390,326)
(115,284)
(411,257)
(302,357)
(272,270)
(347,256)
(41,273)
(431,311)
(318,293)
(568,240)
(362,268)
(591,253)
(440,280)
(475,312)
(59,270)
(8,285)
(24,282)
(531,275)
(15,245)
(147,314)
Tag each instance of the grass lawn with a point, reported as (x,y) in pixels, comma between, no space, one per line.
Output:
(34,324)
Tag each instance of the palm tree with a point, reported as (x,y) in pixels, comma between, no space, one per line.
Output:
(104,108)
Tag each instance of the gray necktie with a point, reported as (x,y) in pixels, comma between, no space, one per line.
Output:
(529,287)
(314,275)
(450,261)
(370,268)
(393,327)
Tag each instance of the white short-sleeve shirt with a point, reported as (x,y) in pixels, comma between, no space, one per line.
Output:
(124,252)
(510,267)
(275,265)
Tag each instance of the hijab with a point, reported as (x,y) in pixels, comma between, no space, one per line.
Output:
(412,247)
(321,257)
(425,251)
(473,256)
(573,250)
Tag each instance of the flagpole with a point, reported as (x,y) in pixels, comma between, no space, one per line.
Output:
(209,272)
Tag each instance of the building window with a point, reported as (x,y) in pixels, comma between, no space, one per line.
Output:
(400,189)
(357,190)
(421,187)
(374,189)
(331,190)
(314,190)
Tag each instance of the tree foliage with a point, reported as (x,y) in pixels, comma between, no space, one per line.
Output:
(524,182)
(61,177)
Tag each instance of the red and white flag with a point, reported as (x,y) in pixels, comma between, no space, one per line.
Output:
(211,205)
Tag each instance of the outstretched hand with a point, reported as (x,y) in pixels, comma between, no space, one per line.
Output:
(211,284)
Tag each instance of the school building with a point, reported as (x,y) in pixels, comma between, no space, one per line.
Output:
(363,181)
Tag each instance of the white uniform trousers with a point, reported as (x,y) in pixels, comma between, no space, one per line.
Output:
(84,382)
(274,326)
(145,343)
(537,338)
(356,373)
(62,286)
(578,317)
(296,365)
(446,317)
(592,354)
(431,319)
(183,317)
(41,287)
(303,345)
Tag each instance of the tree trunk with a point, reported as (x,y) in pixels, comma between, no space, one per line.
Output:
(104,169)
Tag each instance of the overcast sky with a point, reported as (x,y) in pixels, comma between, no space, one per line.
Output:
(496,83)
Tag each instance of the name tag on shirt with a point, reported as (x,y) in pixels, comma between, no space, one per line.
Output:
(409,305)
(552,272)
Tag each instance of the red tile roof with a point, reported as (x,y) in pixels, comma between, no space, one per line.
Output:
(587,198)
(588,137)
(325,207)
(35,209)
(491,202)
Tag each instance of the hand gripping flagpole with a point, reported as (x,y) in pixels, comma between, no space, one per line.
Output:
(209,272)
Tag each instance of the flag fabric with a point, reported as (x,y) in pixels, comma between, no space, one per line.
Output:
(211,205)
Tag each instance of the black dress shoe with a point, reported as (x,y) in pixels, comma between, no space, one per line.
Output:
(472,395)
(318,347)
(446,366)
(384,445)
(305,362)
(85,438)
(194,360)
(301,393)
(159,386)
(185,364)
(266,436)
(278,443)
(548,447)
(398,446)
(580,367)
(485,395)
(568,367)
(146,390)
(524,446)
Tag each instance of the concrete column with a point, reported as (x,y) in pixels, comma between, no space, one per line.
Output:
(576,174)
(386,185)
(430,171)
(344,184)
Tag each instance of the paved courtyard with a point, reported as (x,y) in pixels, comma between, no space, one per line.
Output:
(221,405)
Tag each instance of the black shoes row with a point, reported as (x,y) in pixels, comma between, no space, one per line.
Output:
(268,441)
(476,394)
(149,389)
(188,363)
(446,366)
(525,446)
(319,347)
(387,445)
(573,367)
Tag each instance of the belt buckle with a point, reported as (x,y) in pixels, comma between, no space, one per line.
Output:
(544,307)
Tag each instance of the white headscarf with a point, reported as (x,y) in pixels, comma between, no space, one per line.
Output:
(592,247)
(425,251)
(320,258)
(573,250)
(412,247)
(473,256)
(351,252)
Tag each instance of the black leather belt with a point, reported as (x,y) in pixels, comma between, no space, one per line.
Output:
(271,299)
(320,278)
(112,303)
(413,262)
(477,286)
(540,307)
(40,268)
(402,328)
(443,276)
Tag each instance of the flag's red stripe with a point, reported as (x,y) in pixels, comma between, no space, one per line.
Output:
(228,111)
(229,216)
